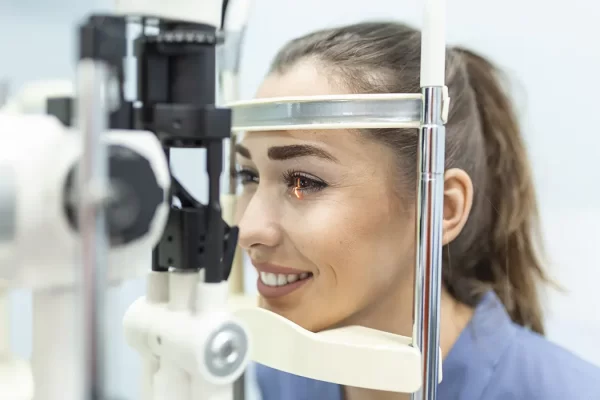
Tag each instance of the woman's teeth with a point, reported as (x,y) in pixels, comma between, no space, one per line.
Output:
(271,279)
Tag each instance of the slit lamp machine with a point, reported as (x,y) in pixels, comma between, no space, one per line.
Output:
(88,200)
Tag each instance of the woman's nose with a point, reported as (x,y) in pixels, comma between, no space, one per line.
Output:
(258,224)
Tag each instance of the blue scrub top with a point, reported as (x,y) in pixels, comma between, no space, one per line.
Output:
(493,359)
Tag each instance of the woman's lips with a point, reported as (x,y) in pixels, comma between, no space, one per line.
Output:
(277,281)
(269,291)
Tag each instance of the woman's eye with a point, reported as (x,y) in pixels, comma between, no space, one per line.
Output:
(300,183)
(246,176)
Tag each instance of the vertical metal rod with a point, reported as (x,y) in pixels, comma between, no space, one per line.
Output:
(235,19)
(428,276)
(239,388)
(92,120)
(430,197)
(4,92)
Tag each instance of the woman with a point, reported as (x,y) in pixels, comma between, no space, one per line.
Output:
(328,218)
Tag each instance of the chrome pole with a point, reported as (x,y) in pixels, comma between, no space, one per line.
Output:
(430,197)
(92,121)
(430,204)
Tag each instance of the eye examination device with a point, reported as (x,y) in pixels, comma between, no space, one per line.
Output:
(88,200)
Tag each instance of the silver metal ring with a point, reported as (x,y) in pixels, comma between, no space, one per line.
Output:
(226,350)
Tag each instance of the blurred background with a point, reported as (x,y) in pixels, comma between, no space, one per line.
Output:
(549,49)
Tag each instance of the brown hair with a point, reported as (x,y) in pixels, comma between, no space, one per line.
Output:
(498,248)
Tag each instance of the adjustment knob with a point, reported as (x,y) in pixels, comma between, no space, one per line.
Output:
(135,195)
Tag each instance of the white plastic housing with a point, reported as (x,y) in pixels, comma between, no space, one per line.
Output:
(38,248)
(353,355)
(198,11)
(16,380)
(31,98)
(170,328)
(433,44)
(55,356)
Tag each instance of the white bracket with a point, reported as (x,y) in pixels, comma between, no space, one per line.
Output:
(354,355)
(191,344)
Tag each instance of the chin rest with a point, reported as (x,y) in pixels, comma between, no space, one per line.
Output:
(353,356)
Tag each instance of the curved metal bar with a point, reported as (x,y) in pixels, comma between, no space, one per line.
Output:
(328,112)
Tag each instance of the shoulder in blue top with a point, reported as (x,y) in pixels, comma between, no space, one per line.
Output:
(493,359)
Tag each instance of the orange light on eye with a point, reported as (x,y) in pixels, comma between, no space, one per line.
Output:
(298,193)
(298,189)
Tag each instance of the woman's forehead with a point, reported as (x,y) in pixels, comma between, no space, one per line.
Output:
(302,79)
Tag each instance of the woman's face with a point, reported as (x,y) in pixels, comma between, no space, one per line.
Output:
(321,218)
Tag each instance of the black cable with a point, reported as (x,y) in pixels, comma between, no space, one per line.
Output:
(224,12)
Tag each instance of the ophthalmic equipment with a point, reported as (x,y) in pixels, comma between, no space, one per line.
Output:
(107,193)
(88,200)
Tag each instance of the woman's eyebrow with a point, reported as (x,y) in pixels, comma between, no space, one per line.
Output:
(280,153)
(243,151)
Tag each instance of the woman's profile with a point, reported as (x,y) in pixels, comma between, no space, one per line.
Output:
(328,217)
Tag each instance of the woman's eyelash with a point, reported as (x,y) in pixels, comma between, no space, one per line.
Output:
(301,182)
(298,182)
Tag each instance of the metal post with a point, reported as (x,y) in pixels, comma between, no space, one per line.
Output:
(430,204)
(92,120)
(430,197)
(235,19)
(4,92)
